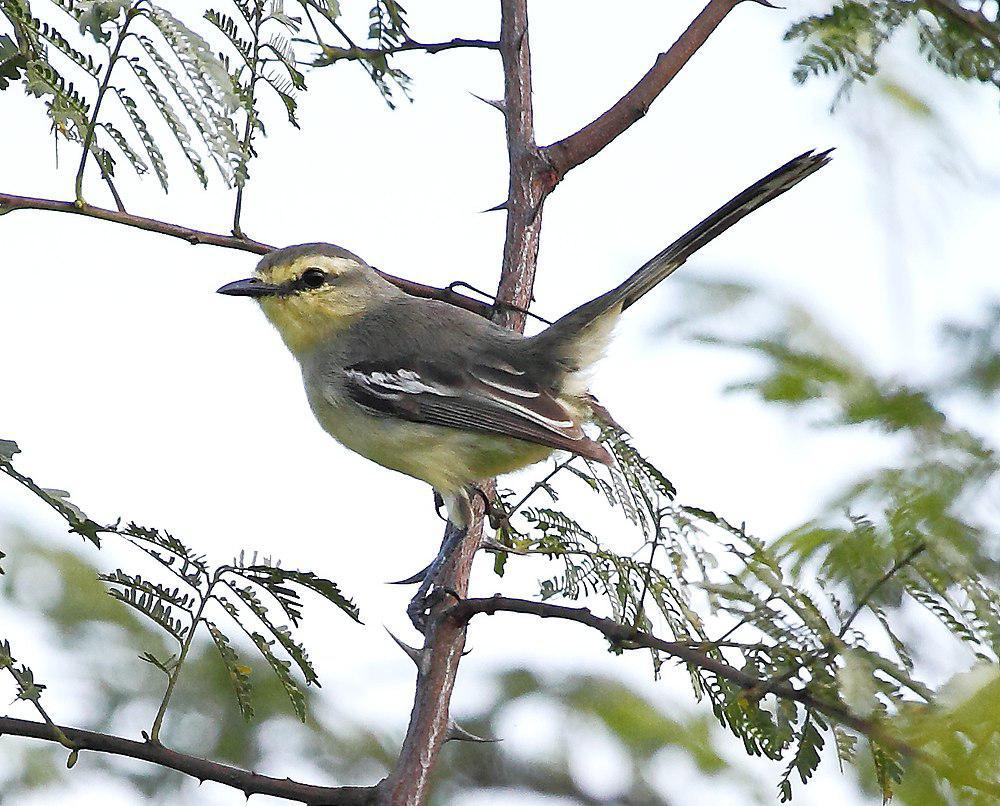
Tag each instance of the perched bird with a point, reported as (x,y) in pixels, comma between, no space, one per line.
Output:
(441,394)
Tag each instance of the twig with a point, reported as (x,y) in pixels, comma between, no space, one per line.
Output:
(10,202)
(897,566)
(174,673)
(580,146)
(102,90)
(628,636)
(975,20)
(250,783)
(333,54)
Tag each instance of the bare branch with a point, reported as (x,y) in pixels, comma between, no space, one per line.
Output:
(580,146)
(250,783)
(530,179)
(9,203)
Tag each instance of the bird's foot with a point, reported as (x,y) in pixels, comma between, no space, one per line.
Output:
(424,599)
(421,605)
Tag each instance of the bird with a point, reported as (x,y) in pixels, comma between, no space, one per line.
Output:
(443,394)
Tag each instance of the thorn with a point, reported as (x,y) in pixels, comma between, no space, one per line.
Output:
(497,209)
(459,734)
(766,4)
(414,654)
(498,105)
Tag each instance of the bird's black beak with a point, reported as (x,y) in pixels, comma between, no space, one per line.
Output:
(251,287)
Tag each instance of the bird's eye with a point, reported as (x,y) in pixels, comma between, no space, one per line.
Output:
(313,278)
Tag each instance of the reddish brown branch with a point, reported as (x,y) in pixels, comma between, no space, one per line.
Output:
(9,203)
(580,146)
(250,783)
(439,659)
(530,179)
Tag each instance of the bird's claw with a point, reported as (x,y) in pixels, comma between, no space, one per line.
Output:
(420,605)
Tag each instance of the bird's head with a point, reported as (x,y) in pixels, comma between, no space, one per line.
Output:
(310,291)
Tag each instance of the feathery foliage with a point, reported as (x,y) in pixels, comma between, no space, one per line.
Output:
(962,39)
(249,594)
(821,607)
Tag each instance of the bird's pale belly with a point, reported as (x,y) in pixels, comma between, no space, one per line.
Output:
(446,458)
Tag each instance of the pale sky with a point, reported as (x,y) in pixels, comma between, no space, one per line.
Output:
(129,382)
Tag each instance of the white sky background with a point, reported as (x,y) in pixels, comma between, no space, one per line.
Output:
(129,382)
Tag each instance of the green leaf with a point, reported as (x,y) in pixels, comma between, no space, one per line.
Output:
(281,633)
(148,143)
(57,499)
(227,25)
(215,129)
(156,609)
(138,163)
(172,596)
(239,674)
(93,15)
(13,62)
(280,668)
(276,581)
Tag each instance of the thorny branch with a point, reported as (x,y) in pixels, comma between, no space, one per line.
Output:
(250,783)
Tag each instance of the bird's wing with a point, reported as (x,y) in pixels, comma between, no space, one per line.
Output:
(488,395)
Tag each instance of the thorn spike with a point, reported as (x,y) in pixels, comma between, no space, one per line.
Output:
(498,105)
(456,733)
(414,654)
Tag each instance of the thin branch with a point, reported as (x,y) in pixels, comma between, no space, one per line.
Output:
(102,90)
(10,202)
(627,636)
(175,672)
(897,566)
(332,54)
(251,118)
(580,146)
(250,783)
(975,20)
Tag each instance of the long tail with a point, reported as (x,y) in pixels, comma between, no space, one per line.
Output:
(567,329)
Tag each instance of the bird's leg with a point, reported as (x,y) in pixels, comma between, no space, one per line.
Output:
(423,599)
(459,518)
